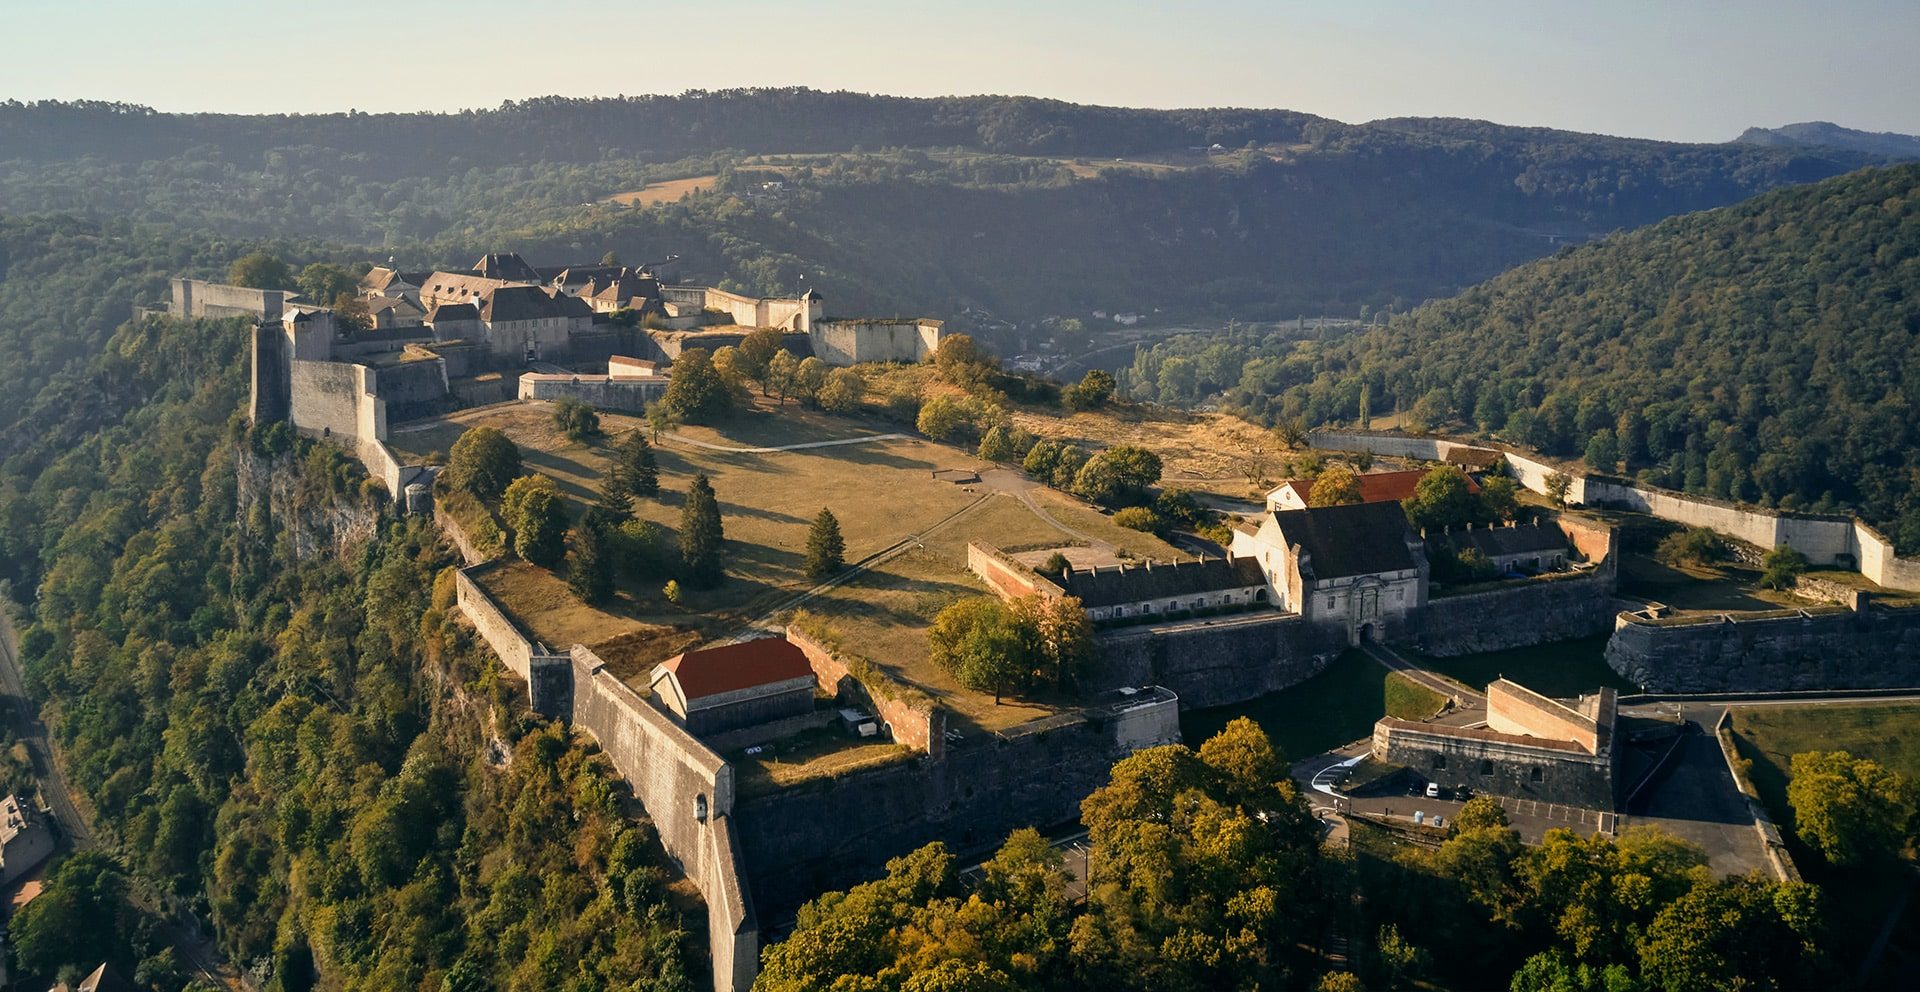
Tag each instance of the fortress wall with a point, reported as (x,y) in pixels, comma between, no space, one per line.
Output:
(1878,562)
(1006,576)
(848,342)
(1515,709)
(1455,758)
(197,298)
(325,399)
(1519,614)
(922,727)
(687,791)
(830,833)
(410,385)
(626,395)
(1230,660)
(514,649)
(1828,649)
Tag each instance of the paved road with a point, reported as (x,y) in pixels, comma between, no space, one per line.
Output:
(729,449)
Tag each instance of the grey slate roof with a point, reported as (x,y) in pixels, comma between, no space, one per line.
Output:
(1520,539)
(1354,539)
(1111,586)
(530,303)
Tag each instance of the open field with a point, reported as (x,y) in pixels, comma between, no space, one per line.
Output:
(1722,587)
(1336,707)
(821,753)
(669,191)
(882,492)
(1562,670)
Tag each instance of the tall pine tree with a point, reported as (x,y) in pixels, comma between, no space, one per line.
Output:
(590,566)
(826,550)
(700,534)
(634,472)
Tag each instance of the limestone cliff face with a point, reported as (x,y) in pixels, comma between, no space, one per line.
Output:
(275,499)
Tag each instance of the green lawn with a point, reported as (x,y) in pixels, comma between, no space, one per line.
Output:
(1333,708)
(1562,670)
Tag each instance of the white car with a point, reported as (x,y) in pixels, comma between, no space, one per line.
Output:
(1433,790)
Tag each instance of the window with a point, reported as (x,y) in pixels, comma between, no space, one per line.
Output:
(1332,600)
(1486,767)
(1536,775)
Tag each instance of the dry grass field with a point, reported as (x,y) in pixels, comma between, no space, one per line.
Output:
(669,191)
(882,492)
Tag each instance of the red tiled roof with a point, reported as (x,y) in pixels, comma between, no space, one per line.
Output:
(1381,487)
(732,667)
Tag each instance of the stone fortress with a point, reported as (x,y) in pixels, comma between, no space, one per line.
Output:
(505,329)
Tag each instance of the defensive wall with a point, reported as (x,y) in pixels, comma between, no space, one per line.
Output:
(1487,760)
(1557,606)
(1007,576)
(628,395)
(198,298)
(685,788)
(1219,661)
(846,342)
(1822,647)
(1515,709)
(794,314)
(834,832)
(1825,540)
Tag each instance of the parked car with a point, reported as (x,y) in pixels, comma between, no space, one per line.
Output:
(1433,790)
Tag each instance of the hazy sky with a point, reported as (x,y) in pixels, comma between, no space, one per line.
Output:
(1680,69)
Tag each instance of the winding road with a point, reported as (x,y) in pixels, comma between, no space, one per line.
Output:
(729,449)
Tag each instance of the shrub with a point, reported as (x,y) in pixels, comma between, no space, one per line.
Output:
(1697,545)
(1781,566)
(577,420)
(1139,518)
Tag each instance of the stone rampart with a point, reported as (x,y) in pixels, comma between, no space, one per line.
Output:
(599,391)
(915,722)
(1825,540)
(326,399)
(1215,662)
(1518,613)
(687,791)
(1819,648)
(1006,576)
(830,833)
(1515,709)
(848,342)
(197,298)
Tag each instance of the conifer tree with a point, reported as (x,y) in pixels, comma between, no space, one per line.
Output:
(701,534)
(634,472)
(826,549)
(590,565)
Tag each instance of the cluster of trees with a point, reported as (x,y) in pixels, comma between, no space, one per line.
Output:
(1013,645)
(262,728)
(1207,872)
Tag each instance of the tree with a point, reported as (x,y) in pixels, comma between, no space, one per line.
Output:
(1139,518)
(1851,810)
(1441,499)
(758,350)
(533,508)
(1744,933)
(1001,443)
(260,270)
(634,471)
(977,641)
(701,534)
(826,550)
(1337,486)
(483,461)
(671,591)
(783,372)
(322,281)
(1694,545)
(960,361)
(1091,393)
(79,917)
(941,418)
(613,508)
(1558,486)
(843,391)
(1603,451)
(1246,759)
(577,420)
(351,311)
(1055,564)
(808,379)
(1499,498)
(1479,813)
(696,391)
(1781,566)
(1121,474)
(590,564)
(661,419)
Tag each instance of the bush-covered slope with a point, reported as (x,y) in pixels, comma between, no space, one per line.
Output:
(1768,351)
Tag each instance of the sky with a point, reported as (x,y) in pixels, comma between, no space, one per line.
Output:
(1689,70)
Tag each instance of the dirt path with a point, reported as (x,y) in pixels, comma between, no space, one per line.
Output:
(710,446)
(1461,695)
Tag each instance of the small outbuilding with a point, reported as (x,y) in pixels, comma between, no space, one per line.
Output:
(735,685)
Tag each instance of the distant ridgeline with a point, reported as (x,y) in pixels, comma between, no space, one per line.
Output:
(911,205)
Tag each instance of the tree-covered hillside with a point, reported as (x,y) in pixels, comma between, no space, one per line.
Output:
(1025,207)
(1768,351)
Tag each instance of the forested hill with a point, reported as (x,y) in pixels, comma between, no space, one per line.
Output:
(1768,351)
(1022,206)
(1833,135)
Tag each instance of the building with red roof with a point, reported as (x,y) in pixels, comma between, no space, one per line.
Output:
(735,685)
